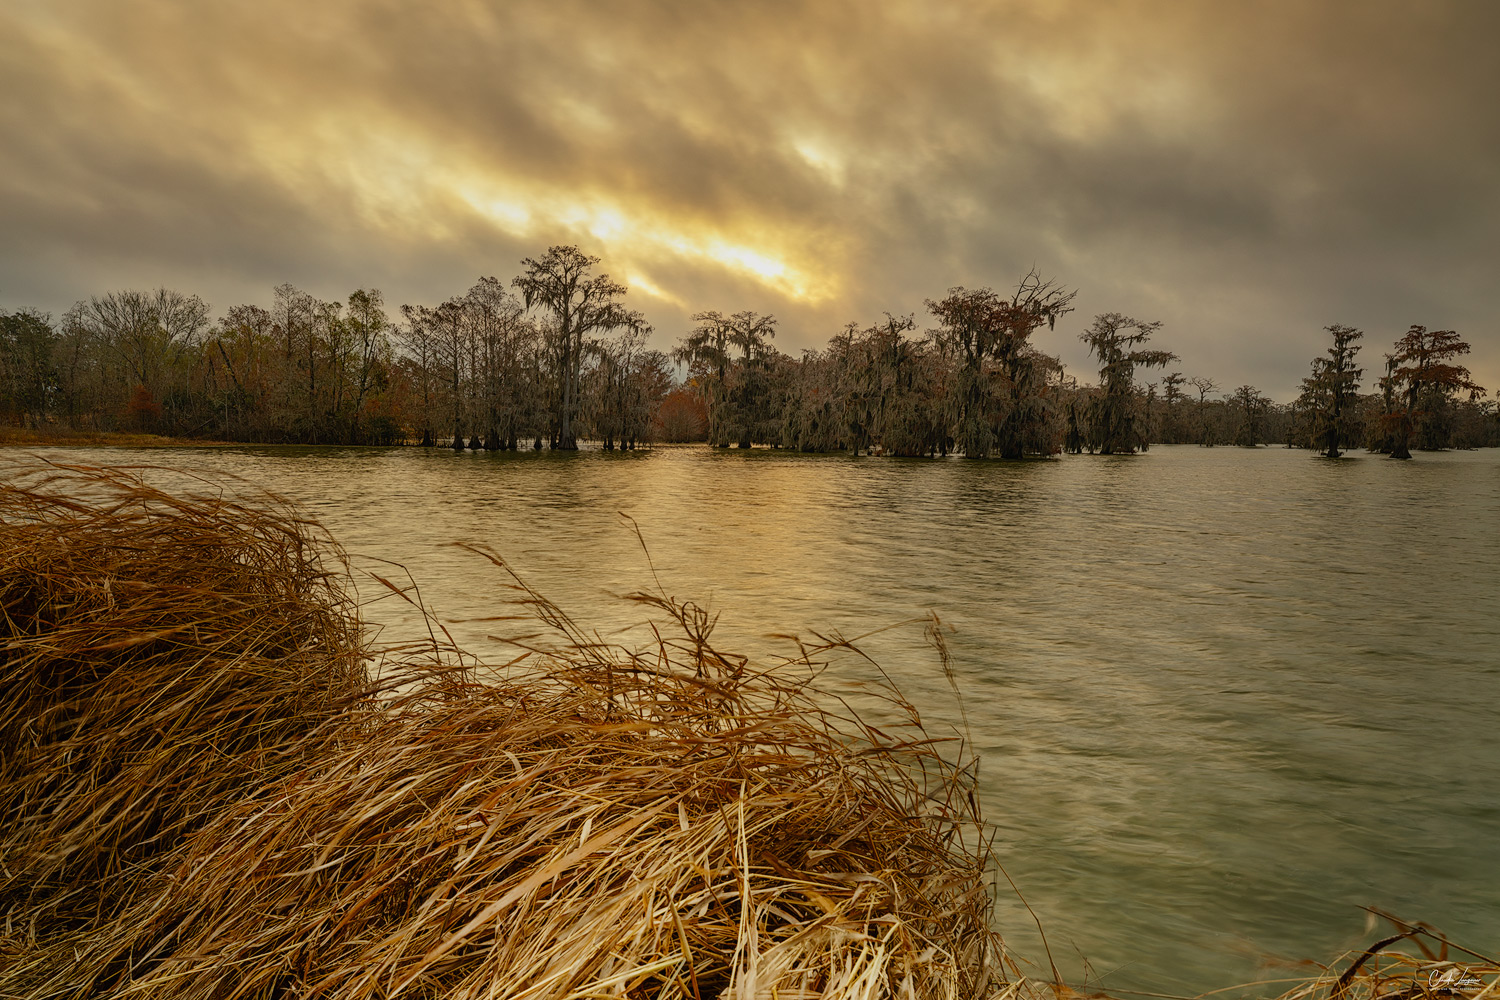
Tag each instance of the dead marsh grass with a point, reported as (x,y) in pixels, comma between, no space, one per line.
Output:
(205,794)
(64,437)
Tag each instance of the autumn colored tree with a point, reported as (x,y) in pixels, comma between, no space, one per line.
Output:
(998,404)
(681,416)
(142,411)
(1419,387)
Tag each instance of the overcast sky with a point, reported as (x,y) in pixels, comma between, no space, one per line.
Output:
(1245,172)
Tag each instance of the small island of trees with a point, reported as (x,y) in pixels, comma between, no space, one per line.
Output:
(554,357)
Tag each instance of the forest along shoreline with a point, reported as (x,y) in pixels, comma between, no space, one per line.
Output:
(554,357)
(21,438)
(61,437)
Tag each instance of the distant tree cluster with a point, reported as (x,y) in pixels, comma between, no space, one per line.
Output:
(493,368)
(1424,401)
(554,357)
(975,384)
(1194,411)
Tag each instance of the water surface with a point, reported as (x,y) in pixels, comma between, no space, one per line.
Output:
(1222,697)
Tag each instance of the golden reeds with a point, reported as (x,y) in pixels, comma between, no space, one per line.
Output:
(158,655)
(205,796)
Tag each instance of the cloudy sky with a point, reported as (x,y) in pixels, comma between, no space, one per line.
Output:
(1246,172)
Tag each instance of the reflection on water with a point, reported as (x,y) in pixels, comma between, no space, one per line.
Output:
(1222,697)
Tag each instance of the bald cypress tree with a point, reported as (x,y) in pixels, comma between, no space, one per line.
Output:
(580,304)
(1115,341)
(1330,393)
(1419,386)
(998,403)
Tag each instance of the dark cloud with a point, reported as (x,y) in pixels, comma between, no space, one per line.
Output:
(1246,173)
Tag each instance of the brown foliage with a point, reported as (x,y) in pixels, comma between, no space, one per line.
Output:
(681,416)
(142,411)
(159,655)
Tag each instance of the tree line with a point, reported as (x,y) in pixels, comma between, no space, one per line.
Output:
(1424,400)
(545,358)
(554,356)
(976,384)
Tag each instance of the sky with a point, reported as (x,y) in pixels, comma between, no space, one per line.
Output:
(1244,172)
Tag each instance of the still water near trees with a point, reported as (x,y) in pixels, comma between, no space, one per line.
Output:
(1222,697)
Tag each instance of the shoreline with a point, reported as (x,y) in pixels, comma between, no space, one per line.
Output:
(23,437)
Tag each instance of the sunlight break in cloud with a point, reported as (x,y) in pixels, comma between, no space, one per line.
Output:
(400,181)
(642,237)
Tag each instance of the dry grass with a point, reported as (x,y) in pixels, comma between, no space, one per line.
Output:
(158,653)
(205,797)
(66,437)
(1431,967)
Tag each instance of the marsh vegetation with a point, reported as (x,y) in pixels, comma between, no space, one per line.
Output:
(212,786)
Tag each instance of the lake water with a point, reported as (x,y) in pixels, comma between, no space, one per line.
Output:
(1222,697)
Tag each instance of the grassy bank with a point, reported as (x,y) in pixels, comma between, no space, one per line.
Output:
(212,786)
(66,437)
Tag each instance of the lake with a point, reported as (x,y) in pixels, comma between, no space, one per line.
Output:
(1222,697)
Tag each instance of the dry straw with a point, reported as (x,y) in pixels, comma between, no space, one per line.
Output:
(206,796)
(160,655)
